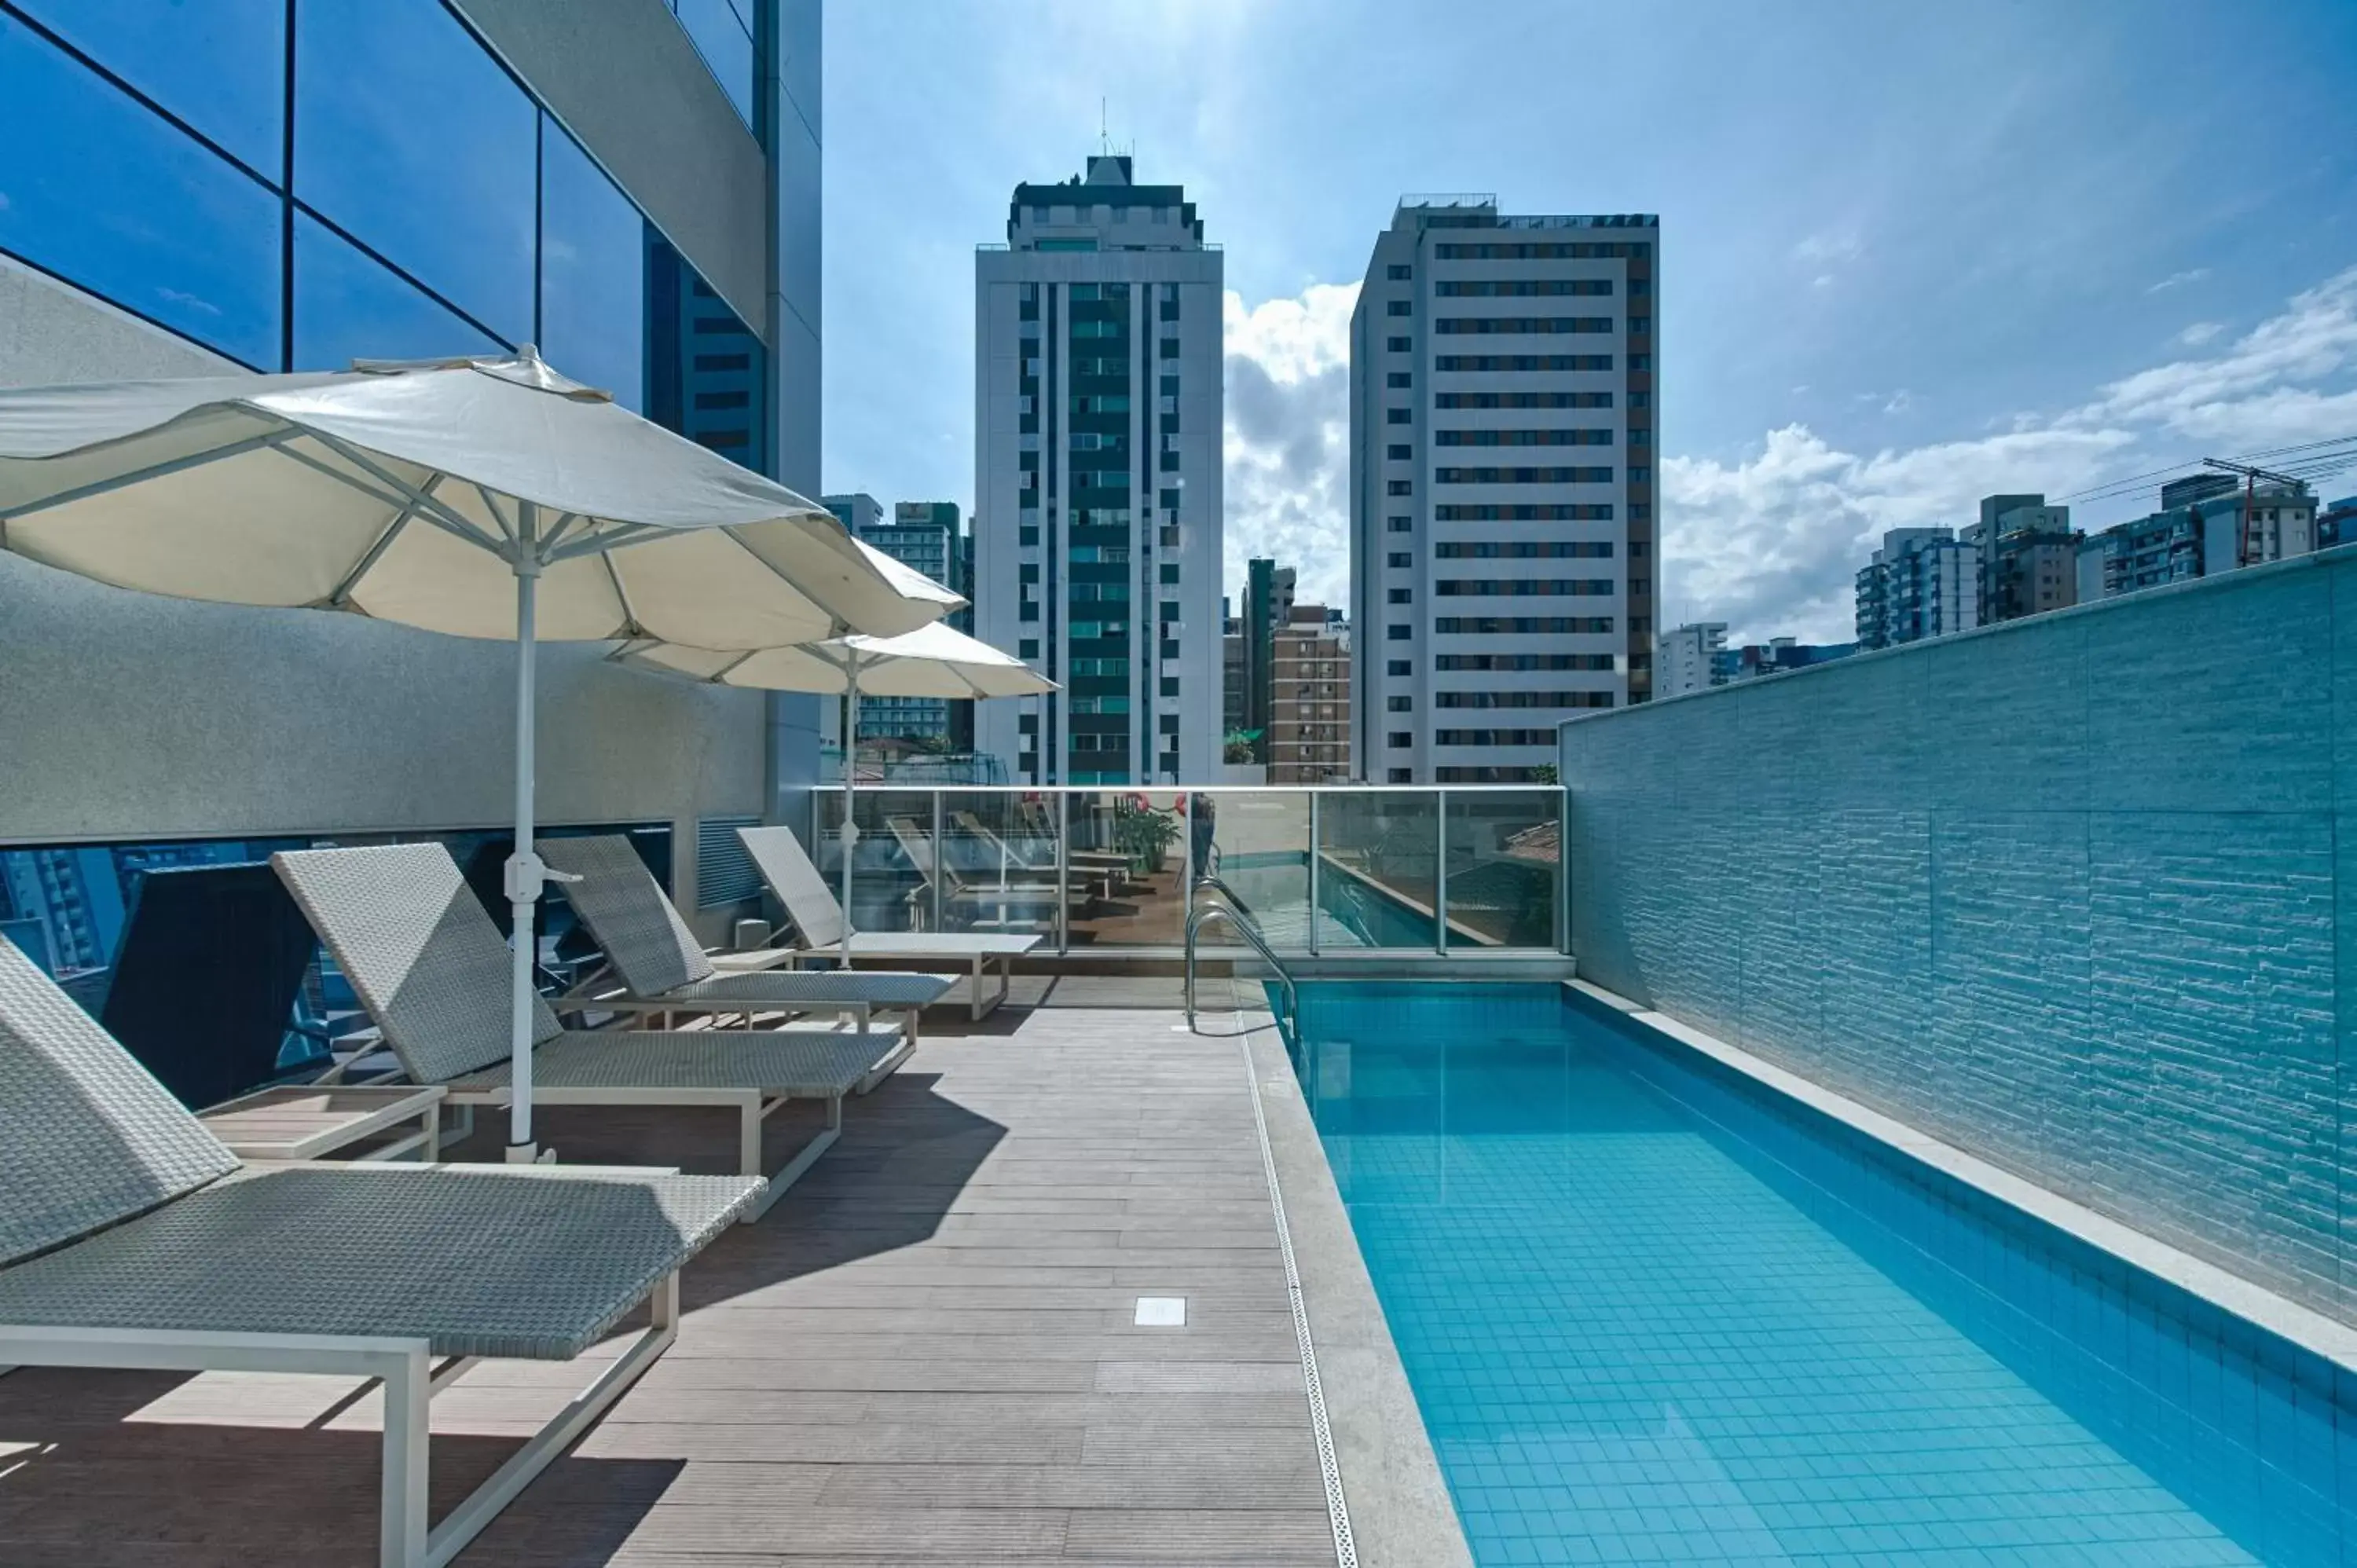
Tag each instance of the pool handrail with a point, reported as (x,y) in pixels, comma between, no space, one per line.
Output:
(1235,913)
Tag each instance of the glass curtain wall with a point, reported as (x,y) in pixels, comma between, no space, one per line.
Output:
(377,185)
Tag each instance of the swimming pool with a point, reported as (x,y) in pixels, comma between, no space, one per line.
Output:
(1654,1313)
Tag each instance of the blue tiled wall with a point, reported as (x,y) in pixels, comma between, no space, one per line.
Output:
(2065,892)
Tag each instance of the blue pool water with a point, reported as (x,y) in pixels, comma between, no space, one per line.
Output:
(1654,1315)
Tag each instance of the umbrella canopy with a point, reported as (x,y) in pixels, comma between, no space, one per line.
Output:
(480,497)
(936,661)
(411,492)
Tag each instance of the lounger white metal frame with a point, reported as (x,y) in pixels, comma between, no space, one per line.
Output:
(406,1369)
(418,885)
(818,922)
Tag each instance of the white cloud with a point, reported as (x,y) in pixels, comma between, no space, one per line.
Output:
(1829,245)
(2200,332)
(2178,280)
(1770,542)
(1288,436)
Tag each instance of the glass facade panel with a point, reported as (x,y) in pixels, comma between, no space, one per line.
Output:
(724,35)
(411,137)
(592,273)
(220,65)
(706,374)
(98,189)
(890,890)
(1259,850)
(1146,829)
(1505,859)
(1378,851)
(348,306)
(1000,848)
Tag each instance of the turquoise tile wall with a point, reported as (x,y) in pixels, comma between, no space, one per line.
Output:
(2070,893)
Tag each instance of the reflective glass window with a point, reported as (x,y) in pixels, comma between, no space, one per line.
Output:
(220,65)
(348,306)
(707,371)
(724,34)
(592,273)
(413,138)
(101,191)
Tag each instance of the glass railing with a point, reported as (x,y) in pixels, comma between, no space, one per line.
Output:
(1324,869)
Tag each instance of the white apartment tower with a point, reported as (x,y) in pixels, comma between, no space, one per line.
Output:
(1097,481)
(1503,438)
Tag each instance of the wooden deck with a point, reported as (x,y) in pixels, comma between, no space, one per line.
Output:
(924,1353)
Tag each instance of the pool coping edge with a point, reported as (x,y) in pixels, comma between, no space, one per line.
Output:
(1400,1511)
(2221,1289)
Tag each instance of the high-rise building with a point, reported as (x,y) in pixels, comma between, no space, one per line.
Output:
(1310,712)
(1504,404)
(2028,557)
(1690,658)
(1231,669)
(1922,582)
(1097,480)
(2198,530)
(922,535)
(216,190)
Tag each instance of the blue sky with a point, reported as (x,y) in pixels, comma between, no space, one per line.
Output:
(1912,254)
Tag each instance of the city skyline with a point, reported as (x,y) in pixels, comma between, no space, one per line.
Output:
(2012,291)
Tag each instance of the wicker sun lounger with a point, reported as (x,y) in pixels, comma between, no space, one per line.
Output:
(1105,868)
(665,970)
(818,920)
(430,967)
(131,1237)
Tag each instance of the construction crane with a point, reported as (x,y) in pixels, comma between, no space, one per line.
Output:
(2246,544)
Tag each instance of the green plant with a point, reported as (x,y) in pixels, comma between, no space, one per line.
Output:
(1145,836)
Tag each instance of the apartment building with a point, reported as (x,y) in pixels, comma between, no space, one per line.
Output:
(2028,557)
(923,535)
(1097,480)
(1922,582)
(2207,523)
(1503,400)
(1690,658)
(1309,707)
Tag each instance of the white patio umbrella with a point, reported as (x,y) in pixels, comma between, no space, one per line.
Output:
(934,660)
(486,498)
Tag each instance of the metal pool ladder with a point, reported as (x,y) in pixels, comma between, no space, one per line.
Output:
(1233,912)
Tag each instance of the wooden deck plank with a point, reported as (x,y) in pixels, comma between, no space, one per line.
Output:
(925,1354)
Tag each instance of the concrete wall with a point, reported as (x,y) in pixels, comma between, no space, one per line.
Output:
(127,716)
(2069,893)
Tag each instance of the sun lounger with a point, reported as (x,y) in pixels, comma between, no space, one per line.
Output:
(665,970)
(1020,890)
(818,920)
(1036,855)
(425,959)
(131,1237)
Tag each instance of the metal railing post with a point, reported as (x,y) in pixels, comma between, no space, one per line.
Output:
(940,854)
(1063,872)
(1562,870)
(1440,872)
(1313,873)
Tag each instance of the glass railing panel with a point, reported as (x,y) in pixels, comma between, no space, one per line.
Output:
(891,882)
(1378,858)
(1000,851)
(1140,838)
(1505,863)
(1259,849)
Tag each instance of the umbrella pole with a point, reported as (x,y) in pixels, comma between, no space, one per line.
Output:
(525,872)
(850,817)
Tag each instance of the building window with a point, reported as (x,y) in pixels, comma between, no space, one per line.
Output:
(1397,633)
(1395,307)
(1398,415)
(1399,740)
(1398,345)
(1399,524)
(1398,704)
(1397,667)
(1396,596)
(1398,776)
(1398,378)
(1399,559)
(1399,452)
(1397,488)
(1399,272)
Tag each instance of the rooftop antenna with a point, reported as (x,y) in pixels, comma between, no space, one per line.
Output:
(1104,140)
